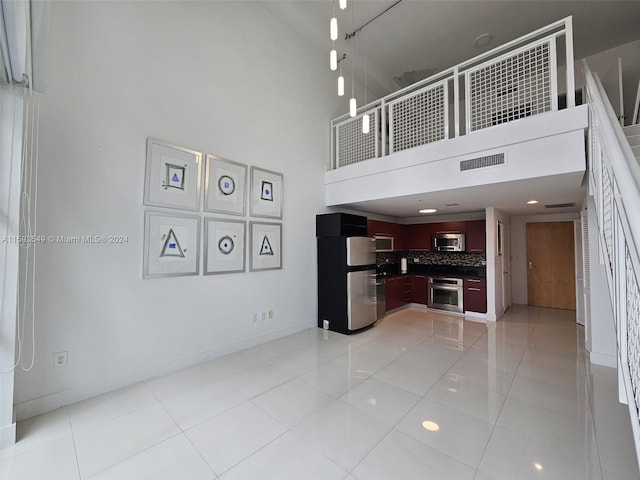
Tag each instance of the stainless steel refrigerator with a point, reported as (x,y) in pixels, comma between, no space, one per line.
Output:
(346,283)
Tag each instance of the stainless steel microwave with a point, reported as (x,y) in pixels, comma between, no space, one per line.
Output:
(384,244)
(448,242)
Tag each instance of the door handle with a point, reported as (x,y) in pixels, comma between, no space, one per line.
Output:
(531,266)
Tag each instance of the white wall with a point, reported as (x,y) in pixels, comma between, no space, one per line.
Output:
(519,250)
(603,347)
(221,77)
(496,263)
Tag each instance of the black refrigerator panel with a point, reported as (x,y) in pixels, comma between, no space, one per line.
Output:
(346,293)
(341,225)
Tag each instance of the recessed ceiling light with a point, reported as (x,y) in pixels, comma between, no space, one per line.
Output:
(427,210)
(538,466)
(532,202)
(483,40)
(431,426)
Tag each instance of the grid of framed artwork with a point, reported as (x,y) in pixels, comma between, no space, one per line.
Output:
(174,177)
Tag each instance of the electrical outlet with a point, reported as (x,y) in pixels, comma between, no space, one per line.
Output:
(254,317)
(60,359)
(270,314)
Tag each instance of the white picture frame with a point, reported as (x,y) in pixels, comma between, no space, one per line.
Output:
(225,186)
(224,246)
(171,245)
(172,176)
(266,246)
(267,189)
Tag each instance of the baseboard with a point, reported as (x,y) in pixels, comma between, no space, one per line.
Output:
(47,403)
(603,359)
(7,435)
(476,317)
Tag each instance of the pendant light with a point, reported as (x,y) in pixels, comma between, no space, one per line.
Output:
(333,28)
(365,117)
(365,123)
(353,106)
(343,4)
(333,60)
(341,82)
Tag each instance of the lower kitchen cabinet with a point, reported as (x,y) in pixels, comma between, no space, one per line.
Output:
(419,289)
(475,295)
(398,289)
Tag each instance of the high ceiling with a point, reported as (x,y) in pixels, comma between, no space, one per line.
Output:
(417,38)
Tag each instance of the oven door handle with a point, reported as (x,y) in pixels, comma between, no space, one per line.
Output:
(439,287)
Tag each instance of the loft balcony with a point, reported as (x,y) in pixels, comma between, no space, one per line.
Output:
(497,118)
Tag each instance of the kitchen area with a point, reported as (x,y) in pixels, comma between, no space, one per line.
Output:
(440,265)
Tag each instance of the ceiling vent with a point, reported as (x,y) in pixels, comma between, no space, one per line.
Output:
(482,162)
(560,205)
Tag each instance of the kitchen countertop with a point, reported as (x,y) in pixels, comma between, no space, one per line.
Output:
(438,270)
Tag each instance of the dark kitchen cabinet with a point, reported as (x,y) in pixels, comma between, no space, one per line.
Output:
(418,236)
(475,295)
(476,236)
(387,229)
(395,292)
(450,227)
(419,289)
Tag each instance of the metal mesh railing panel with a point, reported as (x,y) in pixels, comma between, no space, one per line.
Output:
(353,145)
(607,216)
(419,119)
(633,328)
(515,87)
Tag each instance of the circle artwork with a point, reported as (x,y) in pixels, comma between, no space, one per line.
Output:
(226,185)
(225,245)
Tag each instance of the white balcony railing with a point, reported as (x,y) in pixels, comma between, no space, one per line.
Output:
(614,183)
(513,81)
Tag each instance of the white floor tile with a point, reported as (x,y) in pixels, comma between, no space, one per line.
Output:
(511,455)
(400,457)
(365,362)
(54,461)
(409,377)
(257,379)
(296,362)
(38,431)
(172,459)
(108,443)
(179,382)
(470,399)
(286,458)
(385,402)
(232,436)
(333,378)
(458,435)
(342,433)
(109,406)
(571,401)
(197,405)
(292,402)
(467,371)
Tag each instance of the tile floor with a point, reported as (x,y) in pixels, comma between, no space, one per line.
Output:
(422,395)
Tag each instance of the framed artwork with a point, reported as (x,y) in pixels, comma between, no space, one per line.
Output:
(224,246)
(266,246)
(224,186)
(266,193)
(172,176)
(171,245)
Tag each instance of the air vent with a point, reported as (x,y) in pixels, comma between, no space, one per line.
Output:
(482,162)
(560,205)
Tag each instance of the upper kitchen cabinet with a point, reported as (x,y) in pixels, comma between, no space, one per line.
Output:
(449,227)
(387,229)
(476,236)
(418,236)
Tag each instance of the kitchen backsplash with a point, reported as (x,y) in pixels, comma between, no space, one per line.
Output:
(433,258)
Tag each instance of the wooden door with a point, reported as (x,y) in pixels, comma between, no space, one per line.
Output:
(551,265)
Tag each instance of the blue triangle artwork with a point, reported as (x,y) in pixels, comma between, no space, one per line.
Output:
(174,177)
(266,247)
(171,247)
